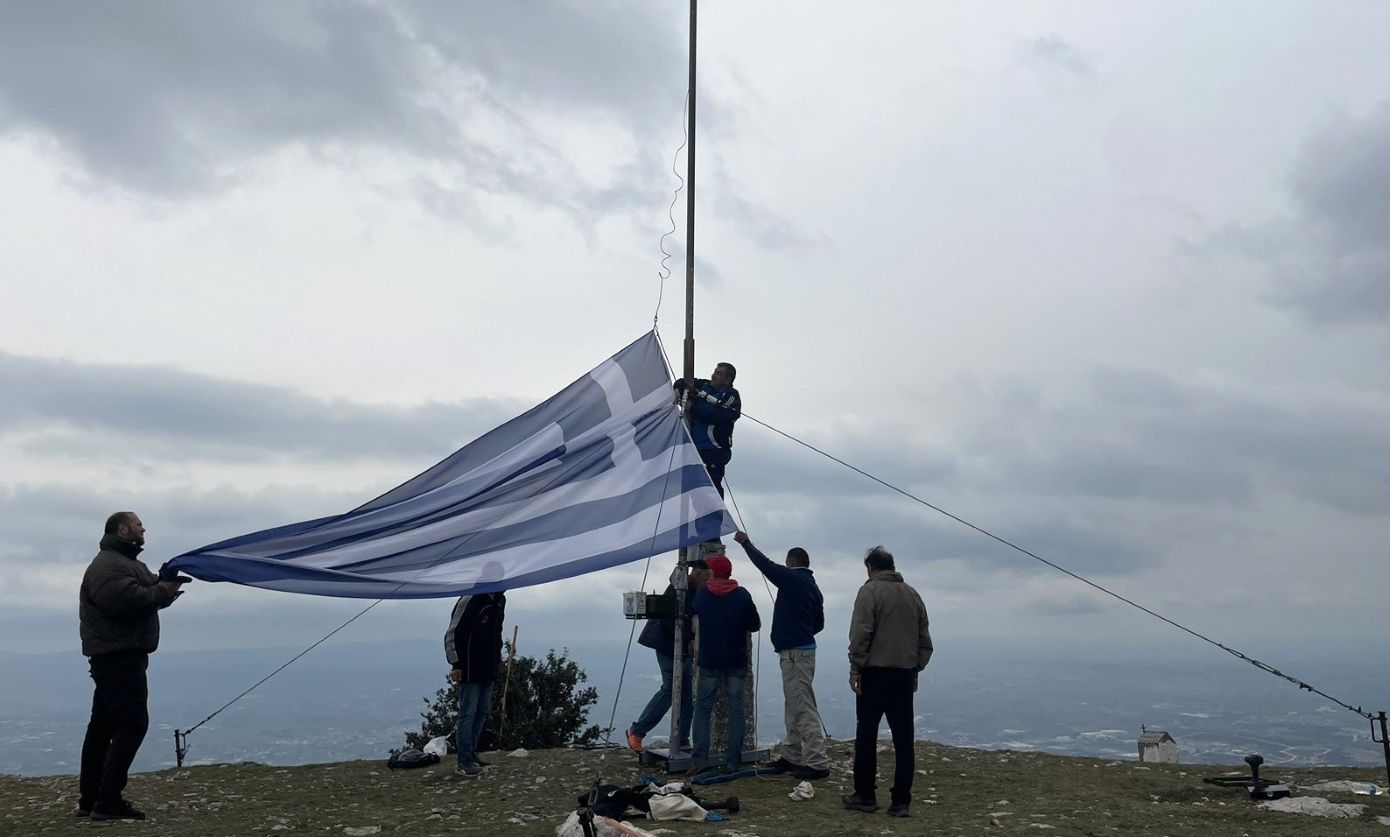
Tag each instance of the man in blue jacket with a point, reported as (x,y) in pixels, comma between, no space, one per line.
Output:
(727,616)
(713,410)
(797,616)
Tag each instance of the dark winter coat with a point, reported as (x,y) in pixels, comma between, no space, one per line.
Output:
(119,602)
(660,634)
(473,642)
(799,613)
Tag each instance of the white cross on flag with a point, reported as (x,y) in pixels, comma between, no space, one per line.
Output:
(600,474)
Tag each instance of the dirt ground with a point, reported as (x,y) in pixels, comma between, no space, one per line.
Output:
(955,791)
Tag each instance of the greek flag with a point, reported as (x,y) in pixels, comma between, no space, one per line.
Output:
(600,474)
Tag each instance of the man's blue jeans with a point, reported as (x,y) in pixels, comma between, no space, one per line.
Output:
(730,682)
(475,701)
(661,701)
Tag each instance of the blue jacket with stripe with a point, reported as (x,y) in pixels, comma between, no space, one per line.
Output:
(712,415)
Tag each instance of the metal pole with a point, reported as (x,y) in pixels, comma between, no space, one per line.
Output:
(679,576)
(1383,740)
(689,371)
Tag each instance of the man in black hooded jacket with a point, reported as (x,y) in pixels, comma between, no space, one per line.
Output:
(118,611)
(473,647)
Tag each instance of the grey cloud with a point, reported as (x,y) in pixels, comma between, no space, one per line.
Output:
(171,98)
(1054,52)
(162,96)
(766,228)
(1141,436)
(63,523)
(1341,181)
(170,410)
(839,529)
(623,58)
(1328,261)
(176,100)
(767,463)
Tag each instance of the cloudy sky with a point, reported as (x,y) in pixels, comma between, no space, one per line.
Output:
(1110,279)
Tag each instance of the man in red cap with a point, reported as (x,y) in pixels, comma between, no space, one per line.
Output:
(727,616)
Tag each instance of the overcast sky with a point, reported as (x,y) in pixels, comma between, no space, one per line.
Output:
(1110,279)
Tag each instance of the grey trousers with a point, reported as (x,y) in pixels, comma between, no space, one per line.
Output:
(805,743)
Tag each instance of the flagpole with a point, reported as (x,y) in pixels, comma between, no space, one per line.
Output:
(681,574)
(689,371)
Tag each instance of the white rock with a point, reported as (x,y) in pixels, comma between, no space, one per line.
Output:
(1314,806)
(519,753)
(1383,820)
(361,831)
(1345,786)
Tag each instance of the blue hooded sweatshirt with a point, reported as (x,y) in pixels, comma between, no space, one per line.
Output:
(727,616)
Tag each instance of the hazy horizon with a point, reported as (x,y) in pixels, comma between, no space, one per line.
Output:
(356,699)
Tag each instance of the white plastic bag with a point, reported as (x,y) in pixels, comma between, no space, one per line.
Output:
(676,806)
(439,746)
(802,792)
(603,825)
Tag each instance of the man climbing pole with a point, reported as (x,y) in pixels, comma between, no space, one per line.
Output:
(714,408)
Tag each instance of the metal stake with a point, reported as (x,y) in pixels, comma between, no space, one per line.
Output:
(1383,740)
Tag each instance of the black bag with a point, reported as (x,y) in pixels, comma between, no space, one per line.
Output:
(608,801)
(406,759)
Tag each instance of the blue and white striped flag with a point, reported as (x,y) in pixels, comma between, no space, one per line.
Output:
(601,474)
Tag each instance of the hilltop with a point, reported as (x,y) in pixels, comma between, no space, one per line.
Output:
(957,791)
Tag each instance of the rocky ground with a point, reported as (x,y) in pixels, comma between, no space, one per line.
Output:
(956,791)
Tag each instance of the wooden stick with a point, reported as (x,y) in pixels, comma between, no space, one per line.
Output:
(506,682)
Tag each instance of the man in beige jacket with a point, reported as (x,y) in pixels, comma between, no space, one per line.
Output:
(888,644)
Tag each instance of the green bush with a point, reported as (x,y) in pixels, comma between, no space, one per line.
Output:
(546,707)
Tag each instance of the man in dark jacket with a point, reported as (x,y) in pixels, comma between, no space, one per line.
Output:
(889,643)
(727,616)
(797,616)
(713,411)
(473,646)
(118,612)
(660,636)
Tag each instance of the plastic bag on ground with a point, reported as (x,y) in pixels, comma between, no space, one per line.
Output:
(676,806)
(439,746)
(603,826)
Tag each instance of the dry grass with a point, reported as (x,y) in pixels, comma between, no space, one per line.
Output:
(956,791)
